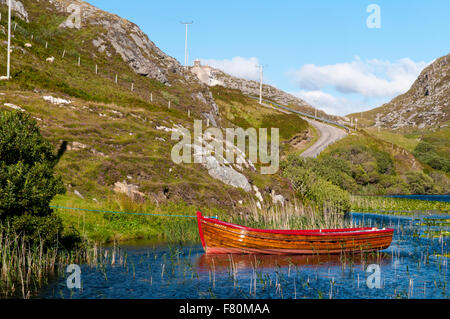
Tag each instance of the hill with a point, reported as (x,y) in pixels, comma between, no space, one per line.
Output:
(425,105)
(104,87)
(215,77)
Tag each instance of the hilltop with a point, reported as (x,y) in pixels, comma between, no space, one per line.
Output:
(215,77)
(424,106)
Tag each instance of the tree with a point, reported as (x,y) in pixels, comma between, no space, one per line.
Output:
(27,180)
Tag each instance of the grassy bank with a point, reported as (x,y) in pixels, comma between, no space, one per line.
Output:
(104,227)
(399,205)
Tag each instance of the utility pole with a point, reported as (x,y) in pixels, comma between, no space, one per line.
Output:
(260,83)
(8,66)
(186,44)
(260,67)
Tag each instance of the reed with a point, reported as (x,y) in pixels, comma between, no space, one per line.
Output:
(293,215)
(26,267)
(400,206)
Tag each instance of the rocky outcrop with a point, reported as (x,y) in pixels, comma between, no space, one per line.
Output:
(426,104)
(132,191)
(18,8)
(14,107)
(223,171)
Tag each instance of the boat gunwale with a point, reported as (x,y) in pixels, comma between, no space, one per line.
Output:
(319,232)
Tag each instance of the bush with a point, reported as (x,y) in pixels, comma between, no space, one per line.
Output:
(27,181)
(36,228)
(419,183)
(310,186)
(427,153)
(441,182)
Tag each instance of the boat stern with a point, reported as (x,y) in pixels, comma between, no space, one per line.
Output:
(200,230)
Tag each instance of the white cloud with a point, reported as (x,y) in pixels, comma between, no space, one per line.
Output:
(329,103)
(245,68)
(370,78)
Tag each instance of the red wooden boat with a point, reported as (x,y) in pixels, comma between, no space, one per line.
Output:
(219,237)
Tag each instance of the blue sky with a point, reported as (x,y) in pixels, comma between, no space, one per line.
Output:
(322,50)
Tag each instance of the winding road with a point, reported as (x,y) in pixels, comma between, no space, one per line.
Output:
(328,134)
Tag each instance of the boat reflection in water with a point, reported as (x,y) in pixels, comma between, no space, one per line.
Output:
(207,262)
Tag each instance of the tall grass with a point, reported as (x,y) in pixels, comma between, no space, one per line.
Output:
(396,205)
(294,215)
(26,267)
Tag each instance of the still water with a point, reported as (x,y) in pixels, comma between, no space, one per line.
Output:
(414,266)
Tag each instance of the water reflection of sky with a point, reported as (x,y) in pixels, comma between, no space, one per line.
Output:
(414,266)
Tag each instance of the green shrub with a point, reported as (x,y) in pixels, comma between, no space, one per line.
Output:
(27,181)
(35,228)
(419,183)
(385,164)
(427,153)
(310,186)
(360,175)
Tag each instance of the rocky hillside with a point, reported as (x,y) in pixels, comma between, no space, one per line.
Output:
(215,77)
(99,83)
(425,105)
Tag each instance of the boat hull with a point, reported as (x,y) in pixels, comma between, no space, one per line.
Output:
(219,237)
